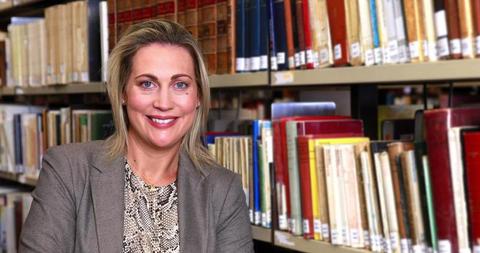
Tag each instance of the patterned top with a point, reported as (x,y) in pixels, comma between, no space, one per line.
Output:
(151,218)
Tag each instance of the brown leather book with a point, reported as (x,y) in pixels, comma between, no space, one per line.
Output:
(289,31)
(394,151)
(411,9)
(222,37)
(466,28)
(476,24)
(112,23)
(337,19)
(192,17)
(207,22)
(453,24)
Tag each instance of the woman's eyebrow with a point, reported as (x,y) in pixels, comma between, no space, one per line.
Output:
(154,78)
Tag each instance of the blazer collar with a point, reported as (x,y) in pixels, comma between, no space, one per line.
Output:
(108,182)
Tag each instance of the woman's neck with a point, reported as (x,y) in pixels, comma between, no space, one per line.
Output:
(153,166)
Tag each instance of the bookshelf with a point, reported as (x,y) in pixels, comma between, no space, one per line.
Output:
(19,178)
(32,8)
(441,71)
(463,72)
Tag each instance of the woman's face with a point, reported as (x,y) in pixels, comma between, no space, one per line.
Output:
(161,96)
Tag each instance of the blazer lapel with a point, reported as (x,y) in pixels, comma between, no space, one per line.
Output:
(193,207)
(107,182)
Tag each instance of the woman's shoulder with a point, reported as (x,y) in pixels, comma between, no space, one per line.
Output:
(80,151)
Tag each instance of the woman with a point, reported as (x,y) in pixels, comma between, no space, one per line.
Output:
(152,186)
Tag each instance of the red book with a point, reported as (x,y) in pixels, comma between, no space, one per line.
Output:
(437,123)
(331,128)
(471,152)
(305,185)
(453,23)
(336,18)
(307,35)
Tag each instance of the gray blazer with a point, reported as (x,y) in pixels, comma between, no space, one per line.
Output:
(78,205)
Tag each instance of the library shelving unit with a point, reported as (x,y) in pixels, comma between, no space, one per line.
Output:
(363,81)
(462,72)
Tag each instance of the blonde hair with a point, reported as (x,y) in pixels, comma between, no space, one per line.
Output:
(119,69)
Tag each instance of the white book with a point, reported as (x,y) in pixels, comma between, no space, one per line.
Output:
(394,235)
(458,185)
(383,202)
(104,38)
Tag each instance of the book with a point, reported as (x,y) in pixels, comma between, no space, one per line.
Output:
(337,16)
(453,24)
(476,18)
(471,155)
(437,123)
(441,29)
(467,33)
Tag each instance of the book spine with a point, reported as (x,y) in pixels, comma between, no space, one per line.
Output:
(430,34)
(324,220)
(289,23)
(377,49)
(476,10)
(403,55)
(240,25)
(263,35)
(222,37)
(309,63)
(280,34)
(336,15)
(366,35)
(453,24)
(441,29)
(256,171)
(253,20)
(467,32)
(353,33)
(279,177)
(272,38)
(300,34)
(305,187)
(471,147)
(325,42)
(207,31)
(314,178)
(412,22)
(294,178)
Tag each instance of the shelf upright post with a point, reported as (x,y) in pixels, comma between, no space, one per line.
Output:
(450,94)
(364,102)
(425,96)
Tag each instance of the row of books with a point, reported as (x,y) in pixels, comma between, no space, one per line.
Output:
(210,22)
(315,34)
(332,184)
(28,131)
(6,4)
(63,47)
(14,207)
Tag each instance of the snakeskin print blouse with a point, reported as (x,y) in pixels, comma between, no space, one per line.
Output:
(151,218)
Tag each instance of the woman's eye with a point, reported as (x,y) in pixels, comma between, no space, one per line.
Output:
(146,84)
(180,85)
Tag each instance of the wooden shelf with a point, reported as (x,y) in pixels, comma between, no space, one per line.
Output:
(32,8)
(20,178)
(287,240)
(261,234)
(74,88)
(441,71)
(464,73)
(239,80)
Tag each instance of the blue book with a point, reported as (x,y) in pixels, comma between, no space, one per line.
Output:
(253,24)
(377,49)
(280,34)
(240,47)
(256,138)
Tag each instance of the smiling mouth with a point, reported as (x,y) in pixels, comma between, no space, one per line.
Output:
(161,123)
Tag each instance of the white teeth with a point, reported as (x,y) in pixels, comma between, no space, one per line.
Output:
(162,121)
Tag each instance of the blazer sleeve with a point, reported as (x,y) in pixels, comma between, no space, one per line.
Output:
(50,224)
(234,233)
